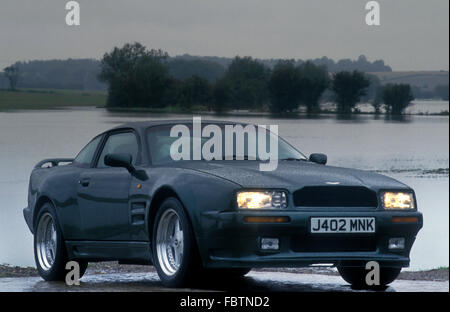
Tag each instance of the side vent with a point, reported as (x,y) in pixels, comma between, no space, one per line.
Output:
(137,213)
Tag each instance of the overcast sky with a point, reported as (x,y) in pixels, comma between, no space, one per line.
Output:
(413,35)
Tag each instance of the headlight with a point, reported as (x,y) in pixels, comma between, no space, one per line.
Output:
(262,200)
(398,200)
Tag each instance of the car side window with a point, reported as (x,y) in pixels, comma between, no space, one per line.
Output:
(124,142)
(87,153)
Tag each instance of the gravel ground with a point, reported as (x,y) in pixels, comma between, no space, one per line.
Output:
(440,274)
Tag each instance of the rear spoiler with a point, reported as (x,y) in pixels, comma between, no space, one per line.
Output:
(54,162)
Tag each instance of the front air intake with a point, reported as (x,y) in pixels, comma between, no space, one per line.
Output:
(335,196)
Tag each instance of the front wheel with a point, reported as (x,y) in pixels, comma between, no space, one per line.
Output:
(356,276)
(174,248)
(49,248)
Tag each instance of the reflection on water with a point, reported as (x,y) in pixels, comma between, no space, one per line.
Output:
(416,107)
(411,152)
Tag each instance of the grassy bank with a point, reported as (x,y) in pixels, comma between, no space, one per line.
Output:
(49,99)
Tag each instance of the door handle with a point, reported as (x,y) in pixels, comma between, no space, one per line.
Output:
(84,182)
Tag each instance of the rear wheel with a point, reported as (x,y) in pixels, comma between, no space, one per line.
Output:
(174,248)
(49,248)
(356,276)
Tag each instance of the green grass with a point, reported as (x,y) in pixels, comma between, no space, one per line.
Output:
(161,110)
(49,99)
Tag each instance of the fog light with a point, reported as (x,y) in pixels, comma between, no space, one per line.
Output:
(269,243)
(396,243)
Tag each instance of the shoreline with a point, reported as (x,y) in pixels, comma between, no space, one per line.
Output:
(295,115)
(439,274)
(173,111)
(54,99)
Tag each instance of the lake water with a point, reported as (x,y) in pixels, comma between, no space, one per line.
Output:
(411,151)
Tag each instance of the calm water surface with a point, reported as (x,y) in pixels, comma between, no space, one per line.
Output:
(412,151)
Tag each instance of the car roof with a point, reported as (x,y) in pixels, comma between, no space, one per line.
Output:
(140,125)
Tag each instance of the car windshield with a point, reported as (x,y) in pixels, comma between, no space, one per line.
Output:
(160,143)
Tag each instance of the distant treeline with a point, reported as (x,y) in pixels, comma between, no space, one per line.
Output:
(73,74)
(439,92)
(138,77)
(361,64)
(81,74)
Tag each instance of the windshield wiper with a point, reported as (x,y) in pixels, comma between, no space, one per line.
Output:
(235,156)
(247,158)
(294,159)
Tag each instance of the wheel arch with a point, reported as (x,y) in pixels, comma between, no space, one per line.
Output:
(42,200)
(161,194)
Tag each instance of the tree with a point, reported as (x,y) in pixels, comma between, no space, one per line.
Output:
(195,91)
(314,81)
(397,97)
(136,76)
(172,92)
(377,100)
(180,68)
(284,87)
(247,80)
(374,93)
(222,96)
(12,74)
(349,87)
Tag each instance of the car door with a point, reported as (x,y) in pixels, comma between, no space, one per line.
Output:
(67,188)
(103,192)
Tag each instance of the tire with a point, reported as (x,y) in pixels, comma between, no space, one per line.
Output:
(175,253)
(356,276)
(50,252)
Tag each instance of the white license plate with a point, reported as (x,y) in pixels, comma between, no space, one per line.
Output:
(343,225)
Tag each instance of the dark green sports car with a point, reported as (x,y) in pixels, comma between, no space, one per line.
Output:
(125,198)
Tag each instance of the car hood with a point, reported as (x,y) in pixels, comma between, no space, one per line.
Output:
(291,175)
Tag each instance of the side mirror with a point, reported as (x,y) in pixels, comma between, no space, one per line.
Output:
(120,160)
(320,159)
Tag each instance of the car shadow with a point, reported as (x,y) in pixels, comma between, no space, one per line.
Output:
(148,282)
(251,284)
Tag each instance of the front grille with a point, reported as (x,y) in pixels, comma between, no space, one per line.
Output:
(335,196)
(333,244)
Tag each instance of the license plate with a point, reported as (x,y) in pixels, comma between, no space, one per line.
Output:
(343,225)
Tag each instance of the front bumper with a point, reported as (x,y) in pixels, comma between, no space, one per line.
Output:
(229,241)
